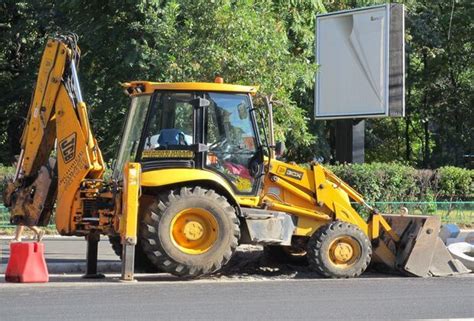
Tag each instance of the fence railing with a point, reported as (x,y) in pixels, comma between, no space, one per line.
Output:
(450,212)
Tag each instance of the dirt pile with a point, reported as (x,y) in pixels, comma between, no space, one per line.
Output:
(251,262)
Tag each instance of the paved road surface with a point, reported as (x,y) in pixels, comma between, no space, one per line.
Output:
(65,249)
(163,297)
(154,299)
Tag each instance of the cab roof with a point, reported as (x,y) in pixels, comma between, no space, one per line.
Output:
(140,87)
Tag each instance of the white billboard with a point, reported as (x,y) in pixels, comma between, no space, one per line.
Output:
(361,74)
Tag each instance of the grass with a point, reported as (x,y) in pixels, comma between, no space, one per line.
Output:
(461,213)
(10,231)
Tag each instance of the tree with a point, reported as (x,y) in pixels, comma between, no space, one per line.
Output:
(269,43)
(437,129)
(243,41)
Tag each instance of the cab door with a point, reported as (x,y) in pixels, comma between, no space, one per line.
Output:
(232,141)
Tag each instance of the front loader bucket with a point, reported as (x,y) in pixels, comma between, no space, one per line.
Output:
(421,251)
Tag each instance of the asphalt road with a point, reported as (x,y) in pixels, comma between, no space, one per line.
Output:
(246,293)
(154,298)
(64,249)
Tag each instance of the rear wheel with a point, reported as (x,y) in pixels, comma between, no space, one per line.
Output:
(192,232)
(339,250)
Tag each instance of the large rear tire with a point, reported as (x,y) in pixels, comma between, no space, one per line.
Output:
(190,233)
(339,250)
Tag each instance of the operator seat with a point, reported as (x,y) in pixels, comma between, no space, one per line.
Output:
(171,136)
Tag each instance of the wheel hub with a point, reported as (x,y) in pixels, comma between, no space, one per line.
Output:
(193,230)
(343,252)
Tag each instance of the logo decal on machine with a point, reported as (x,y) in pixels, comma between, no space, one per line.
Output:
(68,148)
(294,174)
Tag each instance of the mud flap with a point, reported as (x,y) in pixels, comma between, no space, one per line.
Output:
(421,252)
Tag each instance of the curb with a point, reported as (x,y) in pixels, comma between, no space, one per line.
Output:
(77,267)
(51,237)
(46,237)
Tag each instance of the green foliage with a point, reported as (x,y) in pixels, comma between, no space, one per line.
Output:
(437,129)
(455,182)
(6,171)
(388,182)
(269,43)
(246,42)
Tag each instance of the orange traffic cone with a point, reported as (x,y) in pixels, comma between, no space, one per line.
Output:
(27,263)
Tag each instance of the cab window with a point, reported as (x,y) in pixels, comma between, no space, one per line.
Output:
(171,122)
(231,139)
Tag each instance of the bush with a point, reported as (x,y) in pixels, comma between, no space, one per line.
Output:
(5,172)
(388,182)
(455,183)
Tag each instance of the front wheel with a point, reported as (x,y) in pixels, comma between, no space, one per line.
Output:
(339,250)
(190,233)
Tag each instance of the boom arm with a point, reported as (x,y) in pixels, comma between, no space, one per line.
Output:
(57,114)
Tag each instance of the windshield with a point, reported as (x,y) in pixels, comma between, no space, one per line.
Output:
(131,133)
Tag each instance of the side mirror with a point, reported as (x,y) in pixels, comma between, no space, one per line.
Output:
(279,149)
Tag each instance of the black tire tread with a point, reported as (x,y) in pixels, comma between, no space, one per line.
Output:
(317,257)
(158,255)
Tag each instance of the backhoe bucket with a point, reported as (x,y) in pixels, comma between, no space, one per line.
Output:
(421,251)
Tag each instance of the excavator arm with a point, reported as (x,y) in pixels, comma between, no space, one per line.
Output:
(59,154)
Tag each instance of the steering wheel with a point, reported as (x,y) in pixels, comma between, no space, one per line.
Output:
(219,144)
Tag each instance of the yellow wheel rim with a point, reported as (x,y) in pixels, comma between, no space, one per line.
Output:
(194,230)
(344,252)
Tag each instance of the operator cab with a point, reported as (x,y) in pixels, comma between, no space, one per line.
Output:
(209,126)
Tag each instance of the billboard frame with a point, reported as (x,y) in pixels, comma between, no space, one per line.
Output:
(318,113)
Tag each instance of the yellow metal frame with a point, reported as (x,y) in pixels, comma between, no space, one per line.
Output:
(165,177)
(130,201)
(140,87)
(54,116)
(316,196)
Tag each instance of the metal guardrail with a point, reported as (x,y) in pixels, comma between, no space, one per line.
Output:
(450,212)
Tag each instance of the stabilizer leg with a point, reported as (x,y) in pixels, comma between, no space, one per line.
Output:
(128,259)
(91,259)
(129,219)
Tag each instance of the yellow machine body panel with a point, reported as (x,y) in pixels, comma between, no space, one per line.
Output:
(165,177)
(140,87)
(57,116)
(39,128)
(309,193)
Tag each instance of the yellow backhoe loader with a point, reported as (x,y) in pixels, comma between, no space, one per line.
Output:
(195,177)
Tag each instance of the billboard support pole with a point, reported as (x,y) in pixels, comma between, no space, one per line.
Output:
(349,141)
